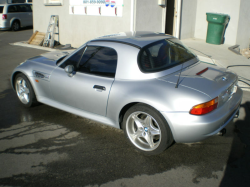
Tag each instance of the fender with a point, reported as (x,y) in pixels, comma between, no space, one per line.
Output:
(15,19)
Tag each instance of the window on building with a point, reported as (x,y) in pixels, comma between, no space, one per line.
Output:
(17,1)
(100,61)
(53,2)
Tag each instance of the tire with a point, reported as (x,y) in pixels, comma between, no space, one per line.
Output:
(15,26)
(24,91)
(146,129)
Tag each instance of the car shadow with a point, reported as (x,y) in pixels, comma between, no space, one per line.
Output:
(237,171)
(43,144)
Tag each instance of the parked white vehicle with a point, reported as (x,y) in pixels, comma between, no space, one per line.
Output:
(15,16)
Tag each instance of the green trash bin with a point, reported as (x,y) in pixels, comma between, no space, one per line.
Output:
(216,27)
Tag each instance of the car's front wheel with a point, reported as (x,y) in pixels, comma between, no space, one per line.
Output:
(147,129)
(24,91)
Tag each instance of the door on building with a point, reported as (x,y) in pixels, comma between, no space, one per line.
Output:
(170,17)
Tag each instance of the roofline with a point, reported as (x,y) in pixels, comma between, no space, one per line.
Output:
(127,43)
(116,41)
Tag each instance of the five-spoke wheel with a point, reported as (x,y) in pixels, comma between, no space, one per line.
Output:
(147,129)
(144,131)
(24,90)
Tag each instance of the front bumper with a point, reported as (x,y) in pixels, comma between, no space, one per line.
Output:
(187,128)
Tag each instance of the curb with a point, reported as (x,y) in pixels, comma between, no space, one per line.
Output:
(34,46)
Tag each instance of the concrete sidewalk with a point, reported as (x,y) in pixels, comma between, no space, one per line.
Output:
(221,56)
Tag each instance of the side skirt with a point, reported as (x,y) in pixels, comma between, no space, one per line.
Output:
(82,113)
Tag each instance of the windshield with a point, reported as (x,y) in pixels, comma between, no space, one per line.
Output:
(163,54)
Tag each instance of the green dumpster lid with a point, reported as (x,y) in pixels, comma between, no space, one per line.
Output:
(217,14)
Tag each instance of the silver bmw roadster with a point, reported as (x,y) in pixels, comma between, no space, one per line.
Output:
(148,84)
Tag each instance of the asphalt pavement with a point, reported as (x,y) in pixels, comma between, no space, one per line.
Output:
(44,146)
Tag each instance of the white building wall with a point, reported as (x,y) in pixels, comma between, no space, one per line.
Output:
(188,19)
(230,7)
(78,29)
(243,35)
(149,16)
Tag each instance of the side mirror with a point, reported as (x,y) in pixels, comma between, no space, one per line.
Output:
(69,69)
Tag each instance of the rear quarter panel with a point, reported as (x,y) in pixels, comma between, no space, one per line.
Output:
(163,96)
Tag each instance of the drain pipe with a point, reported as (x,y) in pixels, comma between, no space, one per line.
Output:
(132,19)
(178,20)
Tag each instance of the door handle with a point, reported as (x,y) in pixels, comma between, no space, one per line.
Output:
(97,87)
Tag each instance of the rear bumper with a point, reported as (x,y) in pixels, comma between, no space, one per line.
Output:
(187,128)
(4,25)
(4,28)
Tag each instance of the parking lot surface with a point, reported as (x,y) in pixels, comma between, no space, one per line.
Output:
(44,146)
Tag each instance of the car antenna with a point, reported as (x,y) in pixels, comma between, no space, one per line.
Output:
(176,86)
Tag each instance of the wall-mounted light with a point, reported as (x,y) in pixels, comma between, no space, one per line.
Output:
(162,3)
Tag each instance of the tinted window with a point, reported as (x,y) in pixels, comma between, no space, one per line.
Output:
(74,59)
(99,61)
(163,54)
(25,8)
(13,9)
(30,1)
(1,9)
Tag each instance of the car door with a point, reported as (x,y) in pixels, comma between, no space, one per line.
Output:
(25,15)
(95,76)
(89,88)
(61,85)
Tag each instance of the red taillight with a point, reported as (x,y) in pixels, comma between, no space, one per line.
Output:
(204,108)
(4,16)
(202,71)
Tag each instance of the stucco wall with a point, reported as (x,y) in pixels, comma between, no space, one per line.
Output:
(243,35)
(148,16)
(230,7)
(77,29)
(188,19)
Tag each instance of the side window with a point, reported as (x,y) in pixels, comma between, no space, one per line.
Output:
(13,9)
(74,59)
(100,61)
(23,8)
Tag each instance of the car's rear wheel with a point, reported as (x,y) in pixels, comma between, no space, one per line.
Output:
(147,129)
(15,26)
(24,91)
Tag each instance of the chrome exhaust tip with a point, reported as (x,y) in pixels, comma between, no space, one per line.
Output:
(237,114)
(222,132)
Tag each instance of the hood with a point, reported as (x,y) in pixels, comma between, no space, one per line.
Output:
(212,81)
(50,58)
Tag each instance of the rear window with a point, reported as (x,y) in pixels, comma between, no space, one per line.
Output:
(162,55)
(1,9)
